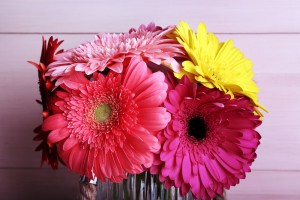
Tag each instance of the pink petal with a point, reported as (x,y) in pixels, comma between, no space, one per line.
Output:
(154,119)
(69,143)
(149,94)
(58,135)
(186,168)
(98,172)
(172,109)
(216,170)
(77,159)
(117,67)
(55,121)
(174,172)
(184,189)
(229,159)
(135,74)
(167,155)
(142,135)
(174,98)
(174,144)
(205,176)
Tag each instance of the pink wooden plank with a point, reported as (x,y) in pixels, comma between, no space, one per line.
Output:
(262,197)
(267,185)
(61,184)
(38,184)
(269,53)
(117,16)
(280,130)
(280,94)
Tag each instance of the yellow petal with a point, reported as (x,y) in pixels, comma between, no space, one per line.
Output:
(216,64)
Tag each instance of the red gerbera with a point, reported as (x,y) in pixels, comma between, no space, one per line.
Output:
(107,126)
(210,141)
(49,153)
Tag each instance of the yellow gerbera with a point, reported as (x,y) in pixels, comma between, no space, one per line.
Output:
(216,64)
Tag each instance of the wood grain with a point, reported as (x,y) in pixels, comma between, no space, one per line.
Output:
(29,184)
(230,16)
(267,185)
(262,196)
(270,53)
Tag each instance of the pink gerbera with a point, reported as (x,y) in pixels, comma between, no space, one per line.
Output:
(107,126)
(210,141)
(110,50)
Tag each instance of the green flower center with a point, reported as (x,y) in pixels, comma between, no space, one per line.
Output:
(103,112)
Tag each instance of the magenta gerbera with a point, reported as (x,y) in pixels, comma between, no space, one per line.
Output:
(210,141)
(110,51)
(107,126)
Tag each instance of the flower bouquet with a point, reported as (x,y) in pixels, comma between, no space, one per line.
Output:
(176,104)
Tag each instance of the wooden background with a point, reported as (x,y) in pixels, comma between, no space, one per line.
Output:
(267,31)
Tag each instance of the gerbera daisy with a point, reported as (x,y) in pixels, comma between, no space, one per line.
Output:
(107,126)
(49,153)
(210,141)
(110,50)
(216,64)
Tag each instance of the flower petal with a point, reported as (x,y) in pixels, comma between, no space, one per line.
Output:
(55,121)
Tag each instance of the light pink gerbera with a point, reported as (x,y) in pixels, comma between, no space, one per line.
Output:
(107,126)
(110,50)
(210,141)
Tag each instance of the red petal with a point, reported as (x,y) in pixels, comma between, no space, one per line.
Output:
(69,143)
(58,135)
(54,122)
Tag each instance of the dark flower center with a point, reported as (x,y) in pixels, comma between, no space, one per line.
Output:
(197,128)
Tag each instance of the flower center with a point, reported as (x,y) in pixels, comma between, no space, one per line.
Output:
(103,112)
(197,128)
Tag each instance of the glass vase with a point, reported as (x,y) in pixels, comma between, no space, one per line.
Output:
(142,186)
